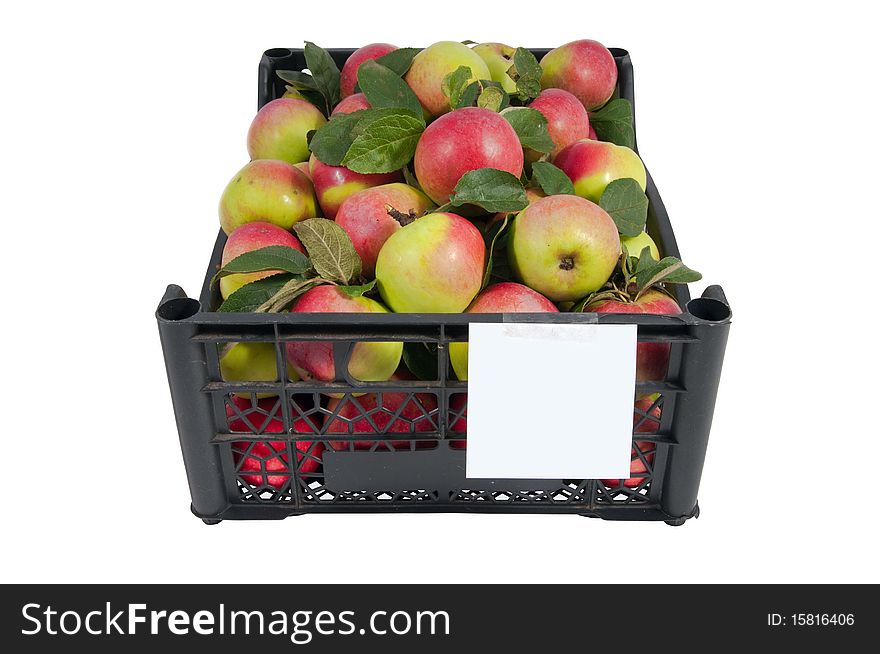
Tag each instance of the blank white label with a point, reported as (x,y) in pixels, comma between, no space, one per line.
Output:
(550,401)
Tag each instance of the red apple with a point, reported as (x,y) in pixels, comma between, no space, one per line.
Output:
(593,165)
(364,217)
(584,68)
(280,130)
(505,297)
(267,190)
(567,120)
(334,184)
(271,454)
(645,421)
(249,237)
(352,103)
(348,76)
(652,359)
(433,265)
(414,414)
(461,141)
(370,361)
(564,247)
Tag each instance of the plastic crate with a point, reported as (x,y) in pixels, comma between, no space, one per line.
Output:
(252,458)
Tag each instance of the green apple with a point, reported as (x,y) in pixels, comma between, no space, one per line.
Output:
(498,58)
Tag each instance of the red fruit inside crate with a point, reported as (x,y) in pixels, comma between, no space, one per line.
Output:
(411,413)
(646,420)
(257,417)
(458,419)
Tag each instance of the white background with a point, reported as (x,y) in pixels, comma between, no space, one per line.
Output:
(122,124)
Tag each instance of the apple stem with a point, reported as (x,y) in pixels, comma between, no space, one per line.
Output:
(403,218)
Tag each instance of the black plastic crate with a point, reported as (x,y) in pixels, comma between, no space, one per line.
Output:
(249,457)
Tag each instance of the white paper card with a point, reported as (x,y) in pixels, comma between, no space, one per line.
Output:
(550,401)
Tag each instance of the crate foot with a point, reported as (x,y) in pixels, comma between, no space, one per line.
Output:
(678,522)
(211,521)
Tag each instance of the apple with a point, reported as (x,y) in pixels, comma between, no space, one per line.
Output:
(271,455)
(433,265)
(349,74)
(458,419)
(431,65)
(249,237)
(563,246)
(303,167)
(532,194)
(505,297)
(280,128)
(584,68)
(645,421)
(592,134)
(593,165)
(499,59)
(290,92)
(250,362)
(370,361)
(267,190)
(635,245)
(352,103)
(334,184)
(567,120)
(414,414)
(652,359)
(364,217)
(461,141)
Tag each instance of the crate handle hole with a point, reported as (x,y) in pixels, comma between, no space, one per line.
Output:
(708,309)
(179,308)
(278,53)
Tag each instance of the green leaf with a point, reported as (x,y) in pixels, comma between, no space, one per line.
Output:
(386,144)
(526,72)
(614,123)
(491,98)
(493,238)
(668,270)
(330,249)
(468,97)
(357,291)
(468,42)
(455,83)
(384,88)
(399,60)
(410,178)
(288,293)
(250,296)
(273,257)
(551,179)
(530,126)
(421,360)
(627,204)
(297,79)
(325,73)
(333,139)
(491,189)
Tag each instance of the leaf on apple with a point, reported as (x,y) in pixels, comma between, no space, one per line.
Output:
(399,60)
(386,144)
(491,98)
(385,89)
(421,360)
(325,73)
(551,179)
(614,123)
(526,72)
(285,296)
(669,270)
(627,204)
(494,239)
(250,296)
(272,257)
(359,290)
(333,139)
(330,249)
(493,190)
(530,126)
(455,83)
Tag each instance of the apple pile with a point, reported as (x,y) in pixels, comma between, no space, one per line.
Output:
(454,178)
